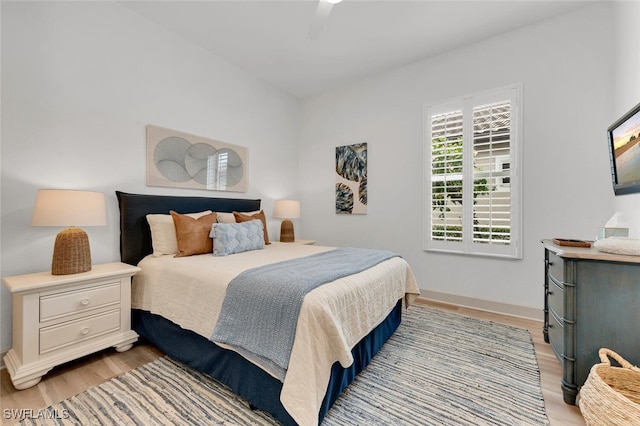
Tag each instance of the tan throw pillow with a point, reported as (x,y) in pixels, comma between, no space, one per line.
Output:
(231,218)
(163,232)
(241,217)
(193,234)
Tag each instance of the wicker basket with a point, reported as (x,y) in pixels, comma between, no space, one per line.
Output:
(611,395)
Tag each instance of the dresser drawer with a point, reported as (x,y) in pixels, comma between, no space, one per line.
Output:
(556,335)
(58,336)
(556,266)
(556,297)
(75,301)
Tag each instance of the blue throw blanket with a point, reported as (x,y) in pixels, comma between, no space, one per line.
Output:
(260,311)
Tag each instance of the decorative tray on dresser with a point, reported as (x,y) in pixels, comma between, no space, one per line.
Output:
(591,301)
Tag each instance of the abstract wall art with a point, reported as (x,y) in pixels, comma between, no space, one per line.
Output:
(351,179)
(180,160)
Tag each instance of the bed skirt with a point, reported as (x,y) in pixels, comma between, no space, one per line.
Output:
(244,378)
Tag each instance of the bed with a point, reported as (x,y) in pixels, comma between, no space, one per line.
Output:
(340,327)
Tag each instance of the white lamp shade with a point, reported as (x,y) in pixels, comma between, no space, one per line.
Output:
(287,209)
(64,207)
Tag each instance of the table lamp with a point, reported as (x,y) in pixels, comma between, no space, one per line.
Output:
(63,207)
(287,210)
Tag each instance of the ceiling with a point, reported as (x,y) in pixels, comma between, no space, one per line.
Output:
(270,39)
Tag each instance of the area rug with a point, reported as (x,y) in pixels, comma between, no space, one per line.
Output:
(439,368)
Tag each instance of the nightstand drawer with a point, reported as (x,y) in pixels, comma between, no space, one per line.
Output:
(75,301)
(58,336)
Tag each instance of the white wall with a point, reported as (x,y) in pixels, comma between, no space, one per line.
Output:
(80,81)
(627,91)
(565,67)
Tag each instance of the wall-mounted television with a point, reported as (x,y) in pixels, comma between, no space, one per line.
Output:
(624,151)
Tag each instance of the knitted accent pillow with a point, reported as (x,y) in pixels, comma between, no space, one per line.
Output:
(229,238)
(241,217)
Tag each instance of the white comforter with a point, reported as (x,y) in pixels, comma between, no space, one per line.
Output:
(190,290)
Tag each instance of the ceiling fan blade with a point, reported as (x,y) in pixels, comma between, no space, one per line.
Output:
(319,18)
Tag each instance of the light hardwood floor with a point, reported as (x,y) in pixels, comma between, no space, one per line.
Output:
(69,379)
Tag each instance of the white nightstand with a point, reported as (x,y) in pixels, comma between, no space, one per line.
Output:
(58,318)
(307,242)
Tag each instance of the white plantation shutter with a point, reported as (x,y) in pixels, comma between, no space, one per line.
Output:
(473,183)
(446,176)
(491,144)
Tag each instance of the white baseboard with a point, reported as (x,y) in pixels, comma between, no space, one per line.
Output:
(2,354)
(527,312)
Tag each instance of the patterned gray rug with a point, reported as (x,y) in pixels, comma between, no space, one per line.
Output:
(439,368)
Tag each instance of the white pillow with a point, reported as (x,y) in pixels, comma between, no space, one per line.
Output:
(226,217)
(230,218)
(163,232)
(619,245)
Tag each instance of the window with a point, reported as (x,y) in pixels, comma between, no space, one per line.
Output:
(472,193)
(218,171)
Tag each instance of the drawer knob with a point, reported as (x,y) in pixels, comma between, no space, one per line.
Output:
(85,331)
(85,301)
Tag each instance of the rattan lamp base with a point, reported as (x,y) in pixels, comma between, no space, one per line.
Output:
(71,252)
(286,232)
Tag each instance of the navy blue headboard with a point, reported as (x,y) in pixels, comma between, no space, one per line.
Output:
(135,234)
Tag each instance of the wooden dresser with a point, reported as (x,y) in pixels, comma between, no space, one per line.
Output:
(592,300)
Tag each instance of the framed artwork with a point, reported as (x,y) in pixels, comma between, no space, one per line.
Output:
(351,179)
(180,160)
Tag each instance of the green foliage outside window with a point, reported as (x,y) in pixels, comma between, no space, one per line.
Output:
(446,160)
